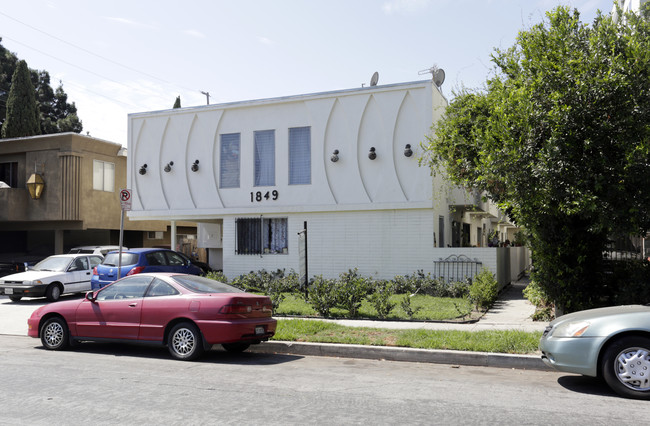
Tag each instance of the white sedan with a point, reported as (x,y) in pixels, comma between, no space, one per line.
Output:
(52,277)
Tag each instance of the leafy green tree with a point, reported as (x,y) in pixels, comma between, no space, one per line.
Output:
(177,102)
(560,140)
(22,113)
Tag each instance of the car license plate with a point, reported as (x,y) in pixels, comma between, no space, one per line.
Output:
(9,291)
(259,330)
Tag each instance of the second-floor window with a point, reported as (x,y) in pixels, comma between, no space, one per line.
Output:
(265,158)
(229,162)
(299,155)
(103,176)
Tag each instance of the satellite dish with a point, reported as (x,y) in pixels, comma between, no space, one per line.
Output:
(438,76)
(375,79)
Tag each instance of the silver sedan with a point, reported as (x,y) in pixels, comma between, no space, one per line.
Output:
(612,343)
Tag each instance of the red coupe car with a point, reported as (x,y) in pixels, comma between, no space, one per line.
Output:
(188,313)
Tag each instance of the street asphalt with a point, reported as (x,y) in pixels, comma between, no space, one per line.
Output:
(511,312)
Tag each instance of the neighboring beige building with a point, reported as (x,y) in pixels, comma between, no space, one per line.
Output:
(79,204)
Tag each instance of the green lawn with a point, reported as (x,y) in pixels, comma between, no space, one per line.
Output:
(510,341)
(425,307)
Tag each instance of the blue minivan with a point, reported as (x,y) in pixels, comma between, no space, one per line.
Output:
(135,261)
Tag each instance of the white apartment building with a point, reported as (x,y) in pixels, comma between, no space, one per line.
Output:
(253,174)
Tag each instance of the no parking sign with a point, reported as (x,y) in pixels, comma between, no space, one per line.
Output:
(125,199)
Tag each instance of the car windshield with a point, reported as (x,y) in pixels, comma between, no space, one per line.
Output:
(55,264)
(199,284)
(112,259)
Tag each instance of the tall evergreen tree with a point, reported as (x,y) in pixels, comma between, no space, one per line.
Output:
(177,103)
(56,115)
(22,114)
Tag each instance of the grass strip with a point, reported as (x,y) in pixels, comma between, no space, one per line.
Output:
(497,341)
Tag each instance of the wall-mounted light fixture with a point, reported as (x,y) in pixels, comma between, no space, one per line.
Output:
(372,154)
(407,150)
(195,166)
(335,156)
(143,169)
(35,185)
(168,167)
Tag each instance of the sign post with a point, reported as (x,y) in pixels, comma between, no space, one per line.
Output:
(125,205)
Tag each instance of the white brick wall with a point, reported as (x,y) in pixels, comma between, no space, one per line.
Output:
(380,243)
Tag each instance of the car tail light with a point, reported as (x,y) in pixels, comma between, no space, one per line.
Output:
(267,308)
(136,270)
(236,309)
(95,271)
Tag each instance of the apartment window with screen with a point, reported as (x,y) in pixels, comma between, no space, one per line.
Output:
(261,236)
(9,174)
(299,155)
(265,158)
(103,176)
(229,161)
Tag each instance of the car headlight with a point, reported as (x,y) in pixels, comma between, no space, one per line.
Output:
(34,282)
(571,329)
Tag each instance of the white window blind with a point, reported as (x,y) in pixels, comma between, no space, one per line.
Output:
(103,176)
(264,158)
(299,155)
(229,161)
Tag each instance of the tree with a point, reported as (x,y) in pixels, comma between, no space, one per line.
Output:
(560,140)
(22,113)
(177,102)
(55,113)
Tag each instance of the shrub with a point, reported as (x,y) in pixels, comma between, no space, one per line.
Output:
(322,295)
(538,297)
(484,289)
(406,306)
(380,298)
(351,288)
(217,276)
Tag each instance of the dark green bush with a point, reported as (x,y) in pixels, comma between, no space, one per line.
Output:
(322,295)
(351,288)
(380,298)
(484,289)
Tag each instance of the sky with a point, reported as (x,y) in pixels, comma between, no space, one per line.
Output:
(120,57)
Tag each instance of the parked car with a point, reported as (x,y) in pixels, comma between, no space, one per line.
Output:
(136,261)
(612,343)
(52,277)
(101,250)
(188,313)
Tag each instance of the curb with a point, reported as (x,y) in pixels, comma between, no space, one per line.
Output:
(388,353)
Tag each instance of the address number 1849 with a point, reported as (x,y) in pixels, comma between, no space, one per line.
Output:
(259,196)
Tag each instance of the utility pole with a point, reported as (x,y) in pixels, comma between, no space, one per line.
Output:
(207,96)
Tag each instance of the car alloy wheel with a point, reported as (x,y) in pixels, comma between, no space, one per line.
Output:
(185,341)
(54,334)
(626,367)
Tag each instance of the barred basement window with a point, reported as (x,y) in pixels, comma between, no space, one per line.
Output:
(261,236)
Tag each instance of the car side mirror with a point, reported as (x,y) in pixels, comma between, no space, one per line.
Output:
(91,296)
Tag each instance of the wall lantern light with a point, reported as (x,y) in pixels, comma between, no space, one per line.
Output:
(35,185)
(407,150)
(143,169)
(195,166)
(372,154)
(168,167)
(335,156)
